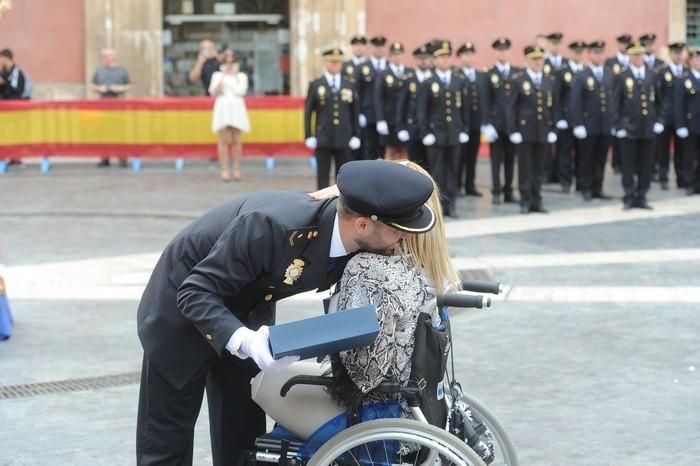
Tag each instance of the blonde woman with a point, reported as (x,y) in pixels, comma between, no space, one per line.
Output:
(230,117)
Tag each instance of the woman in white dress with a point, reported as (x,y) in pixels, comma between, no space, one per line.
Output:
(230,117)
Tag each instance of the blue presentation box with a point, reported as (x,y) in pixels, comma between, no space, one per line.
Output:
(326,334)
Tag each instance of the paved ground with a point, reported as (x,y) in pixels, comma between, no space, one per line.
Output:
(589,360)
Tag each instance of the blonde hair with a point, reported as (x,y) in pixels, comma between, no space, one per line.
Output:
(429,250)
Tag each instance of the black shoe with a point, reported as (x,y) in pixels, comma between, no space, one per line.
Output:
(627,204)
(473,192)
(496,199)
(643,204)
(508,198)
(524,209)
(587,196)
(122,163)
(103,163)
(566,188)
(689,191)
(539,209)
(602,196)
(664,185)
(15,162)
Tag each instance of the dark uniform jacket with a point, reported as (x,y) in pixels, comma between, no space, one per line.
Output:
(564,77)
(388,88)
(471,97)
(406,110)
(495,97)
(440,110)
(226,270)
(668,82)
(350,71)
(636,106)
(656,66)
(615,65)
(335,113)
(365,77)
(686,105)
(590,101)
(532,112)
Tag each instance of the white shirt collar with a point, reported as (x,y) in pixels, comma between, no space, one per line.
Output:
(677,69)
(556,60)
(695,73)
(331,78)
(358,60)
(595,69)
(421,75)
(469,72)
(337,247)
(378,63)
(576,67)
(637,71)
(534,76)
(444,75)
(397,70)
(503,67)
(622,58)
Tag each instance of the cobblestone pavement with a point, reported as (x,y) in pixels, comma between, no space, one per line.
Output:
(589,359)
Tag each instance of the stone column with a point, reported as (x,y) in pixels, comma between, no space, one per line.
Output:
(677,20)
(133,28)
(316,25)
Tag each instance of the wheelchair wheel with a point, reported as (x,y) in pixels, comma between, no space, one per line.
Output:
(376,442)
(505,452)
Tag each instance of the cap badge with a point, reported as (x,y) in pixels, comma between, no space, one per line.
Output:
(293,272)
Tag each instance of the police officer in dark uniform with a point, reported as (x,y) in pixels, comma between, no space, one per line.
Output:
(686,107)
(473,82)
(366,76)
(637,114)
(388,90)
(495,101)
(441,126)
(358,44)
(566,146)
(648,41)
(589,116)
(554,60)
(332,103)
(530,118)
(203,315)
(407,118)
(670,78)
(618,63)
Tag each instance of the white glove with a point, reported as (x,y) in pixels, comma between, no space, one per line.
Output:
(403,135)
(311,143)
(613,132)
(562,124)
(463,138)
(580,132)
(354,143)
(256,345)
(516,138)
(658,128)
(682,132)
(490,132)
(429,139)
(362,120)
(621,134)
(551,137)
(382,128)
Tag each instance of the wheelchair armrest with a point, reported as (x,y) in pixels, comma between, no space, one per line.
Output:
(410,391)
(305,380)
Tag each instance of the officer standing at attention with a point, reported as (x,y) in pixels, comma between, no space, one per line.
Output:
(358,44)
(472,84)
(441,126)
(203,316)
(637,115)
(332,103)
(566,146)
(366,76)
(530,119)
(554,59)
(617,63)
(671,75)
(495,100)
(388,88)
(406,110)
(686,106)
(648,41)
(589,116)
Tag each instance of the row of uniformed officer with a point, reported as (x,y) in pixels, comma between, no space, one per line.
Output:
(671,77)
(686,118)
(388,92)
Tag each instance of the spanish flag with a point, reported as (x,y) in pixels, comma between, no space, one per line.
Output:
(5,314)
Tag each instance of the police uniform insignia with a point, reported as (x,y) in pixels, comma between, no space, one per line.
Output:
(668,77)
(590,82)
(547,68)
(349,69)
(389,80)
(293,272)
(688,84)
(616,68)
(494,79)
(346,95)
(435,88)
(321,91)
(527,87)
(412,87)
(629,82)
(567,77)
(365,70)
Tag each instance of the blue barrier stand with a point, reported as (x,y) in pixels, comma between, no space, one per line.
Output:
(179,164)
(45,164)
(136,164)
(3,166)
(270,163)
(312,162)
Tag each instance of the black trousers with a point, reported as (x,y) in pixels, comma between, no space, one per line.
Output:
(323,164)
(530,169)
(467,161)
(502,153)
(637,165)
(565,147)
(417,153)
(594,154)
(616,154)
(691,161)
(664,162)
(167,416)
(444,166)
(371,143)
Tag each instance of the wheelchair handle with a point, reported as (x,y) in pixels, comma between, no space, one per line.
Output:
(480,286)
(305,380)
(463,300)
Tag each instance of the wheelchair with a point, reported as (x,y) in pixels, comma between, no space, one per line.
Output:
(359,440)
